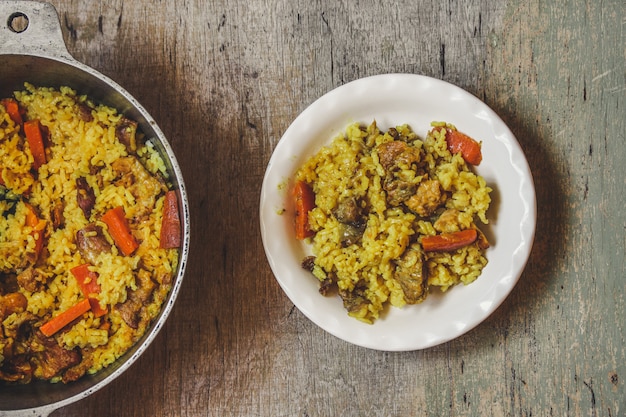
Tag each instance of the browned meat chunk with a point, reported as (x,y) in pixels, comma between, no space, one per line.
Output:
(391,154)
(58,220)
(16,369)
(126,133)
(351,235)
(328,285)
(396,156)
(308,263)
(350,214)
(348,211)
(131,309)
(77,371)
(84,112)
(393,132)
(448,221)
(398,191)
(354,301)
(482,241)
(54,359)
(91,242)
(408,157)
(14,302)
(30,279)
(388,152)
(130,173)
(19,325)
(85,196)
(8,283)
(410,273)
(427,198)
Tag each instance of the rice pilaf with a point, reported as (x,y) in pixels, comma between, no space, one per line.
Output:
(377,196)
(53,227)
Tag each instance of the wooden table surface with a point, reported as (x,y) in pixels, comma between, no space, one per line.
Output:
(225,78)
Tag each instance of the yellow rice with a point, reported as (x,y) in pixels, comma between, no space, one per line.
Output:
(76,146)
(350,168)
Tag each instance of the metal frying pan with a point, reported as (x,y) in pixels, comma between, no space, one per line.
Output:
(32,50)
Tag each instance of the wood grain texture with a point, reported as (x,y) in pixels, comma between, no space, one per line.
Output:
(224,79)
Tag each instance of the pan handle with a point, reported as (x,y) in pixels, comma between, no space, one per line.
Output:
(31,28)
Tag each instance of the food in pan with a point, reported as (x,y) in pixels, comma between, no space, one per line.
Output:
(391,216)
(89,235)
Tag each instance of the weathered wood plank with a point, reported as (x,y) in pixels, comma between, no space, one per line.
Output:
(224,79)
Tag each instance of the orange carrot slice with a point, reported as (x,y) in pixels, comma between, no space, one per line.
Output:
(116,221)
(38,225)
(170,224)
(304,199)
(61,320)
(88,283)
(35,137)
(13,109)
(468,147)
(448,242)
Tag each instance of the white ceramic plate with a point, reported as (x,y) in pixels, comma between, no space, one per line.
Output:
(394,99)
